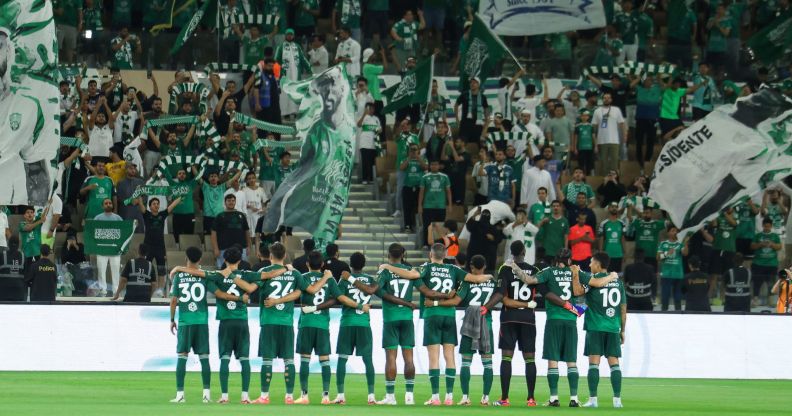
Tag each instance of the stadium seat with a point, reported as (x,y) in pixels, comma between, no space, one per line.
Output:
(190,240)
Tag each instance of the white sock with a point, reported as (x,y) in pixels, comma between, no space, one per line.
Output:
(179,394)
(574,398)
(593,399)
(245,396)
(390,396)
(206,393)
(289,396)
(341,396)
(485,398)
(264,395)
(371,398)
(617,399)
(223,396)
(465,397)
(553,398)
(436,397)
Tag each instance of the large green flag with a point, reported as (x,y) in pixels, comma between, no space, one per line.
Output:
(774,41)
(484,51)
(108,238)
(414,88)
(206,14)
(313,196)
(172,8)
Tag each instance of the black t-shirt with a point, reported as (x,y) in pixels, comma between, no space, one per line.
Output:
(231,228)
(336,267)
(222,121)
(696,289)
(639,284)
(140,274)
(155,228)
(510,286)
(301,263)
(43,281)
(619,96)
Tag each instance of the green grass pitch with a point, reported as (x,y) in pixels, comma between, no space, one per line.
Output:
(143,393)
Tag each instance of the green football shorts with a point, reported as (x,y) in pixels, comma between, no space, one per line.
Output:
(560,341)
(354,339)
(276,341)
(397,334)
(440,330)
(606,344)
(233,336)
(311,339)
(195,337)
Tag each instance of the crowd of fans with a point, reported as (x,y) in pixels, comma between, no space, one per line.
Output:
(536,187)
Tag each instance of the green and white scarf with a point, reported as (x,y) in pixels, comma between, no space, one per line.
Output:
(193,87)
(255,19)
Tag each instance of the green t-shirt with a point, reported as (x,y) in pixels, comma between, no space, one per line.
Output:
(651,96)
(766,256)
(735,12)
(213,199)
(682,21)
(378,5)
(553,233)
(672,263)
(435,186)
(186,189)
(717,41)
(538,211)
(317,319)
(559,282)
(191,293)
(122,57)
(30,240)
(372,72)
(231,309)
(253,49)
(281,173)
(585,136)
(349,12)
(96,196)
(92,18)
(572,189)
(604,304)
(441,278)
(775,213)
(561,129)
(612,232)
(403,143)
(400,288)
(746,221)
(276,288)
(562,47)
(268,171)
(669,108)
(122,13)
(302,18)
(647,234)
(152,10)
(645,30)
(352,316)
(70,9)
(725,235)
(627,25)
(413,174)
(408,32)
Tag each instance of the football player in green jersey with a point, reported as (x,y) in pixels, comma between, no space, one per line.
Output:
(233,334)
(319,291)
(474,296)
(276,317)
(560,336)
(439,321)
(605,321)
(398,328)
(189,295)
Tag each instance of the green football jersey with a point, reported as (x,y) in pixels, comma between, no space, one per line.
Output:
(31,240)
(317,319)
(97,196)
(559,282)
(441,278)
(647,234)
(766,256)
(352,316)
(746,221)
(281,286)
(477,294)
(604,304)
(401,288)
(672,263)
(725,235)
(191,293)
(612,232)
(572,189)
(231,309)
(776,214)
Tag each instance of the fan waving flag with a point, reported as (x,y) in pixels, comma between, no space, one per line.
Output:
(313,196)
(525,18)
(414,88)
(206,14)
(483,53)
(774,41)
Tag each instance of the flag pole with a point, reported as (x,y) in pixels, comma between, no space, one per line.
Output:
(500,42)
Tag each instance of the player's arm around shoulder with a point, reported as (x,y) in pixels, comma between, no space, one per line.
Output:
(579,279)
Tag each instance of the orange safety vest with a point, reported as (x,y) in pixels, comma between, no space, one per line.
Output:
(451,245)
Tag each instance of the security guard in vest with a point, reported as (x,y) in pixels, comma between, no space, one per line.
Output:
(737,287)
(137,278)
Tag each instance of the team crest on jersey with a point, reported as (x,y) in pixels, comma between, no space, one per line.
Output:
(192,307)
(14,120)
(231,305)
(610,312)
(280,306)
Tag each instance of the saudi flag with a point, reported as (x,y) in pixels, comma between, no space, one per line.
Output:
(774,41)
(414,88)
(484,51)
(313,196)
(207,13)
(108,238)
(29,107)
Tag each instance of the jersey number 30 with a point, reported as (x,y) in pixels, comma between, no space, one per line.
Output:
(190,293)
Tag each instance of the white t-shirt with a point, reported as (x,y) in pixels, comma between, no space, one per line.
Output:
(318,56)
(505,102)
(3,228)
(121,121)
(56,207)
(241,199)
(100,141)
(606,120)
(525,233)
(350,49)
(255,198)
(368,132)
(361,99)
(537,135)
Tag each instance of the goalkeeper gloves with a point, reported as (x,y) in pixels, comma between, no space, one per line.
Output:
(571,308)
(484,310)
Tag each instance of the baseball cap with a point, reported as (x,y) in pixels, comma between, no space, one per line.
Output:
(613,204)
(476,79)
(367,54)
(498,115)
(289,31)
(526,111)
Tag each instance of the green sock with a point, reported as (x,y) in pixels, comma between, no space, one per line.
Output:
(552,381)
(181,372)
(488,375)
(450,376)
(593,379)
(266,375)
(409,384)
(616,379)
(573,377)
(370,375)
(325,377)
(305,370)
(341,373)
(288,375)
(464,375)
(434,380)
(390,386)
(224,374)
(206,371)
(245,363)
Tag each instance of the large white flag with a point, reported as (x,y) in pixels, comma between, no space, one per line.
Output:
(535,17)
(732,154)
